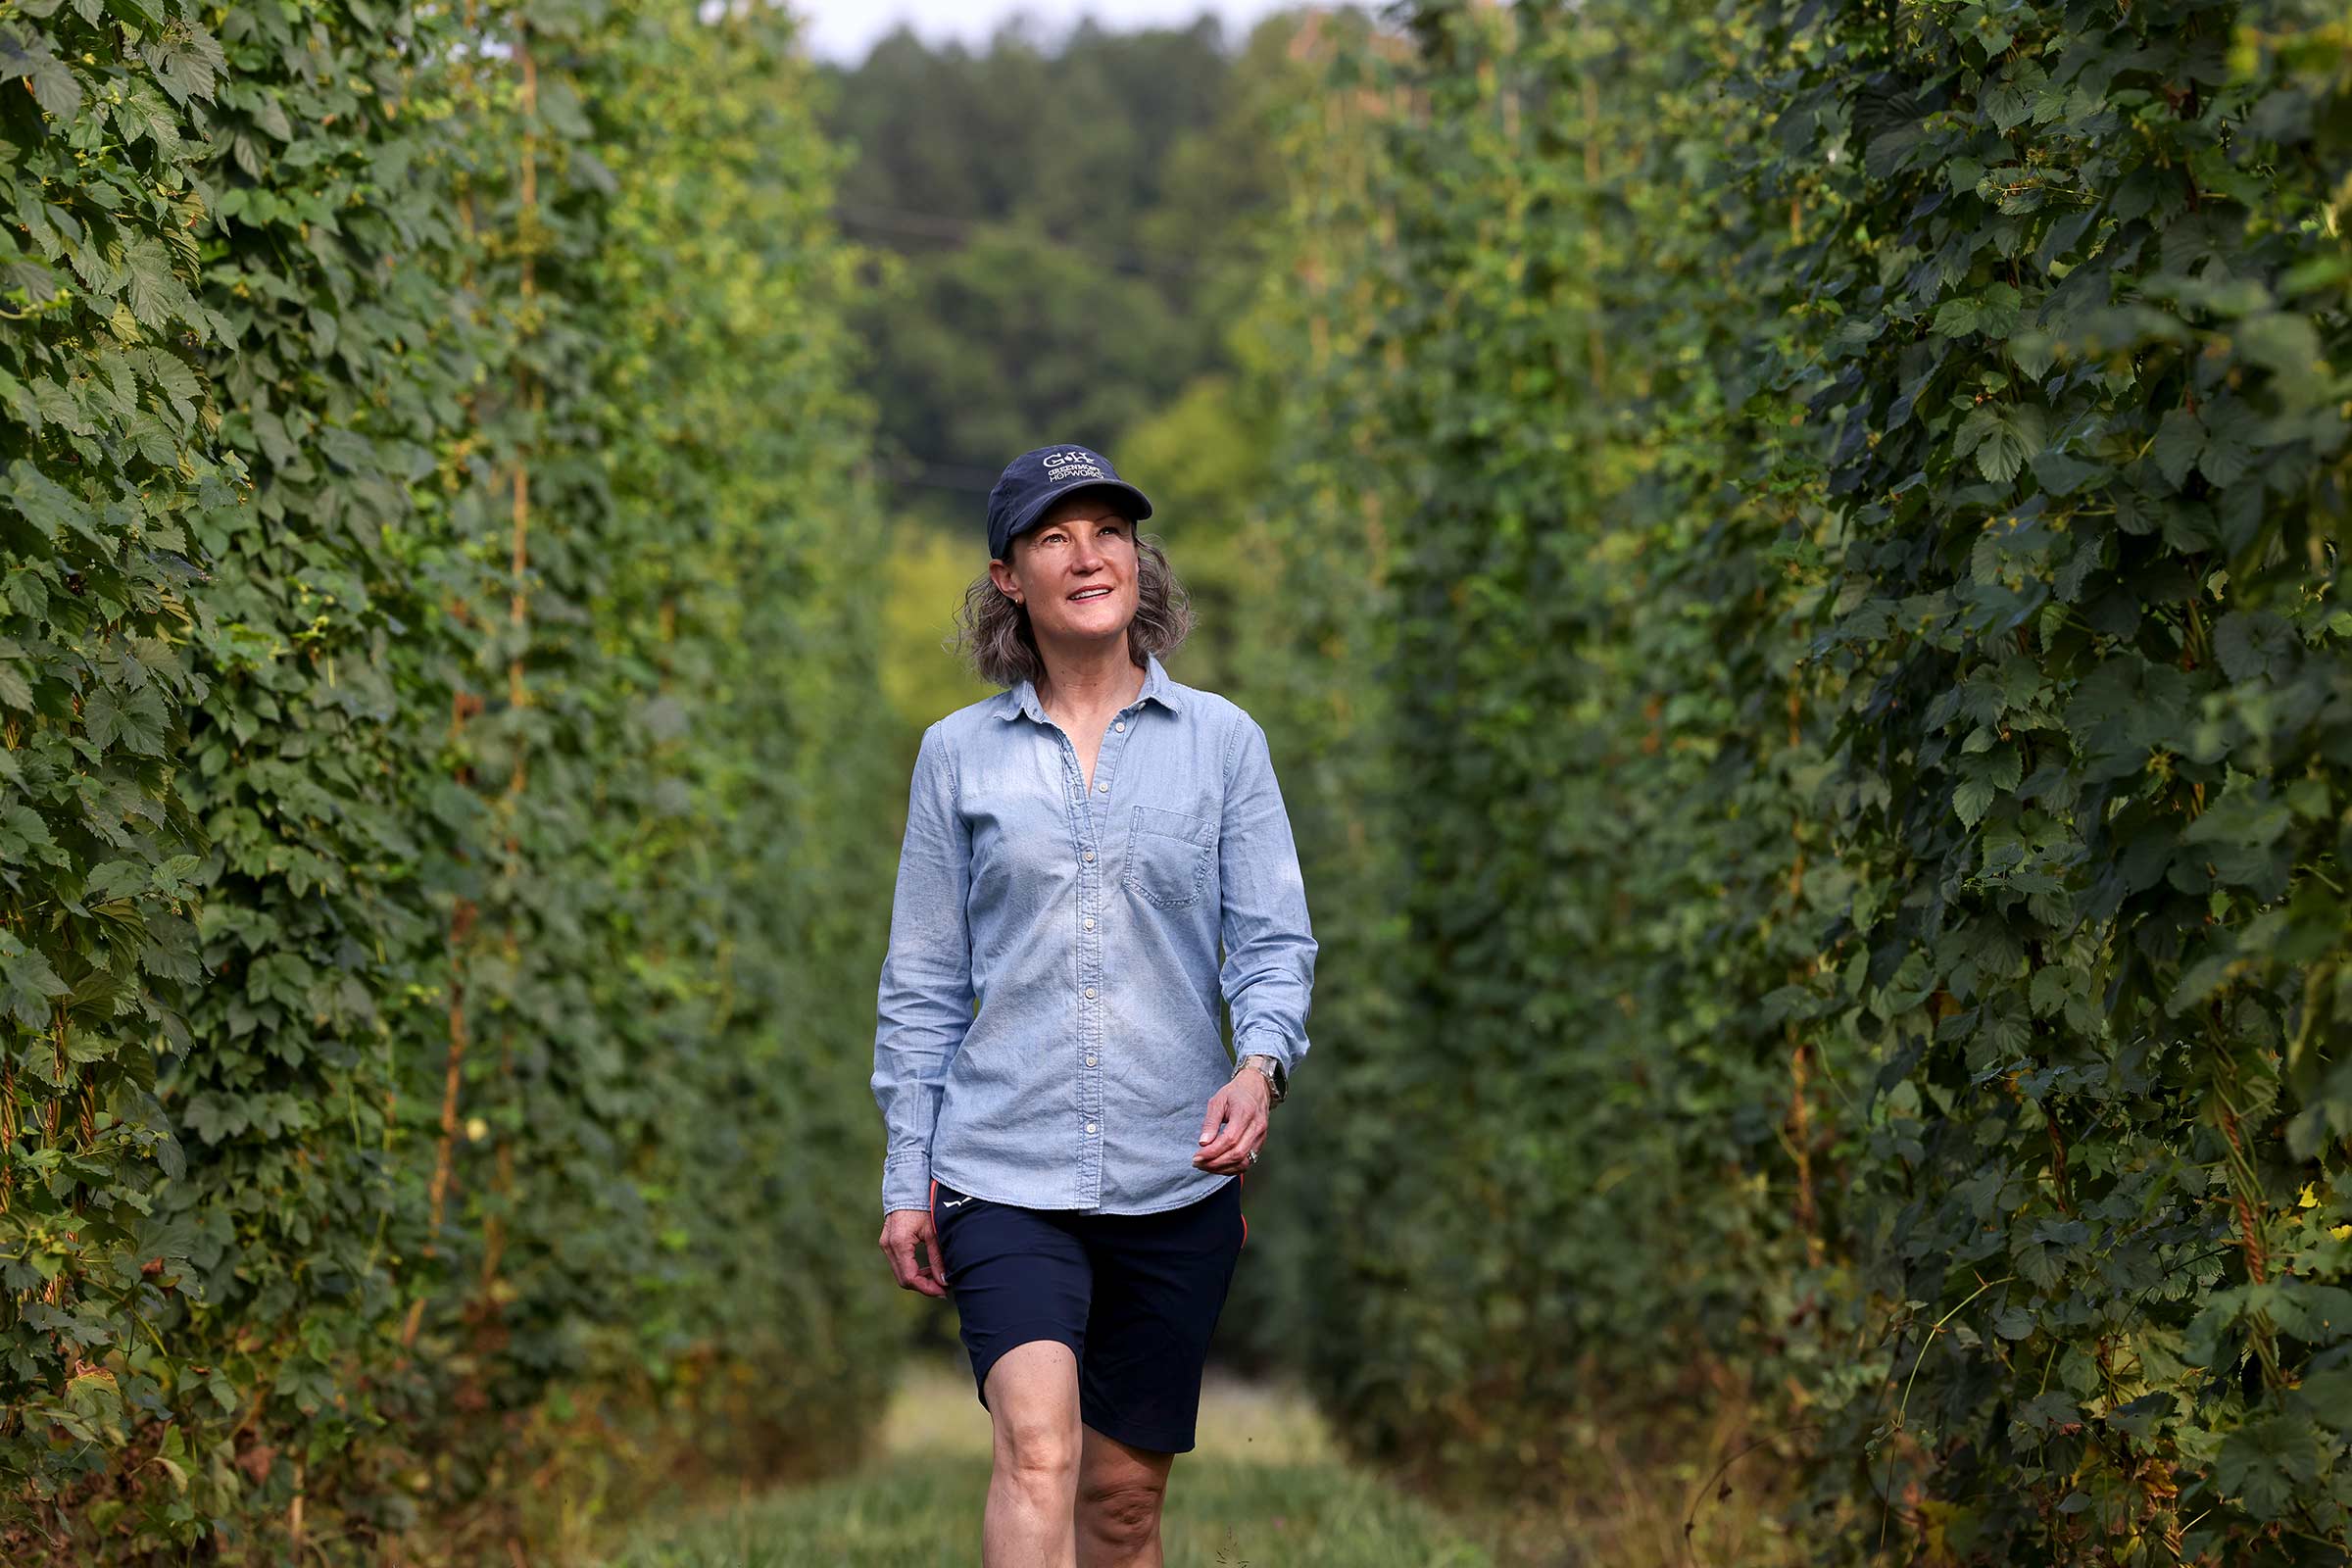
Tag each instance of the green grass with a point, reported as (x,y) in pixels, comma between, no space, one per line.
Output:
(1263,1490)
(923,1511)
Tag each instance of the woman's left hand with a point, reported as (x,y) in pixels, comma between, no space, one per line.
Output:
(1242,1109)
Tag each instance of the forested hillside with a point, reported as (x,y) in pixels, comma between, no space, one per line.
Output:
(1068,223)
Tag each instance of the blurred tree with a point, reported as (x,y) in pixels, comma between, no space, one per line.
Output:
(1074,230)
(1013,340)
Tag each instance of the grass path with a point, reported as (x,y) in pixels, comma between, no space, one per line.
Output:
(1263,1490)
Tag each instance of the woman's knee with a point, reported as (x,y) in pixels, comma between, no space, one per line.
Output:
(1033,1396)
(1036,1453)
(1122,1509)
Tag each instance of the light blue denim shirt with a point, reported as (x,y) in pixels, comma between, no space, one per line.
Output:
(1086,923)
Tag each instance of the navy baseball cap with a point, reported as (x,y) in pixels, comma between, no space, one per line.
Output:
(1033,481)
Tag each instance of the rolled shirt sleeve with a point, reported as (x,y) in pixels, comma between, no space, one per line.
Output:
(1269,967)
(925,1002)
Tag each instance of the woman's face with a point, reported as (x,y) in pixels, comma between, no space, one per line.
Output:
(1075,571)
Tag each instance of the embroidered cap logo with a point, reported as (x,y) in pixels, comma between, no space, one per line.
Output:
(1061,465)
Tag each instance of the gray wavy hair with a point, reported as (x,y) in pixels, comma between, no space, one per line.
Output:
(994,639)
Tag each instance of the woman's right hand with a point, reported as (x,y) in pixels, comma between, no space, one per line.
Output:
(902,1229)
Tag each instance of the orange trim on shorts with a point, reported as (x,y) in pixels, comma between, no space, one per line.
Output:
(932,1203)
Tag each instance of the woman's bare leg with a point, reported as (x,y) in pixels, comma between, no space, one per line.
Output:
(1033,1399)
(1120,1489)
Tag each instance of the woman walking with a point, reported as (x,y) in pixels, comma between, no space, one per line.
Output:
(1068,1156)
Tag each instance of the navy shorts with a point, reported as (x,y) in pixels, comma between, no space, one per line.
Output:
(1134,1297)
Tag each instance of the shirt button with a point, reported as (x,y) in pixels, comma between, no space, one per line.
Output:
(1089,991)
(1090,923)
(1089,1126)
(1089,854)
(1103,789)
(1121,724)
(1089,1059)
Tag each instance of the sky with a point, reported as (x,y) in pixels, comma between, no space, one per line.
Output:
(845,29)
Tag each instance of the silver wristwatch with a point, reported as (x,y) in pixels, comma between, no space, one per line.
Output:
(1277,1081)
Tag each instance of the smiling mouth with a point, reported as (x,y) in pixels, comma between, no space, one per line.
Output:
(1091,593)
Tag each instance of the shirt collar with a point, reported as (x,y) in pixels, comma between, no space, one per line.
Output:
(1022,698)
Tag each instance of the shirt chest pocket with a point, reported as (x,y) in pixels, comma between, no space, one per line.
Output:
(1168,855)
